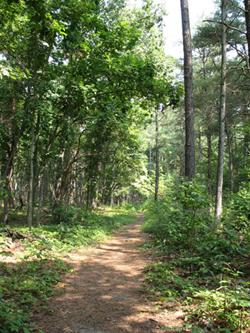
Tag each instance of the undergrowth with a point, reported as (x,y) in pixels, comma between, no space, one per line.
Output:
(203,265)
(29,274)
(22,286)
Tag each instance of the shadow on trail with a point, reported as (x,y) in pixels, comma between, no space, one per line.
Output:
(116,250)
(99,297)
(103,294)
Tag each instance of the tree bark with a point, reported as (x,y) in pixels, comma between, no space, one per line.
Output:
(30,211)
(230,160)
(150,160)
(209,163)
(157,155)
(222,113)
(40,199)
(188,82)
(8,174)
(8,167)
(247,16)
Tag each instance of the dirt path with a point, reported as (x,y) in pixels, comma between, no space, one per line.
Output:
(103,294)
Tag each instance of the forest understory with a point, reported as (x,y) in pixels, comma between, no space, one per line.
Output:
(68,278)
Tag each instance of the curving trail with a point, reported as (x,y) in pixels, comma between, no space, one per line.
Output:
(103,294)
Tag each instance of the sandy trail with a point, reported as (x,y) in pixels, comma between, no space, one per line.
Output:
(103,294)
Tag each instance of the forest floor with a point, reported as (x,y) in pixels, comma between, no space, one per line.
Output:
(104,292)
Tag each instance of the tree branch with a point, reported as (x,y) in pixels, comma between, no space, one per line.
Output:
(227,26)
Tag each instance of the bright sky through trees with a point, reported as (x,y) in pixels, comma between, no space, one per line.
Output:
(198,10)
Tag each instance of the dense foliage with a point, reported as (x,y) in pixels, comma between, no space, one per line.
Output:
(76,89)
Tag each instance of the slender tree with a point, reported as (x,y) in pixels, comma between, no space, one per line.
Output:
(157,154)
(247,16)
(188,82)
(222,113)
(30,208)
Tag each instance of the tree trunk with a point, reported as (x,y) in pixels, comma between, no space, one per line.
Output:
(222,113)
(157,155)
(247,16)
(30,211)
(40,199)
(188,81)
(8,200)
(230,160)
(150,161)
(199,145)
(8,168)
(209,163)
(8,174)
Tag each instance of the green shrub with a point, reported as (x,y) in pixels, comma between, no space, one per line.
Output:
(12,319)
(21,287)
(227,307)
(240,210)
(160,278)
(198,253)
(181,219)
(65,214)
